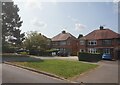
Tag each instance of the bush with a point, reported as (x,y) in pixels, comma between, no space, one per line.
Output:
(74,54)
(24,53)
(40,53)
(89,57)
(8,49)
(45,53)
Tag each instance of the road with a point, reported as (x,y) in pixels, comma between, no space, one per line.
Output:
(12,74)
(106,73)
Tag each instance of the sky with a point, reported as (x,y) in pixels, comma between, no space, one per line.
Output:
(51,17)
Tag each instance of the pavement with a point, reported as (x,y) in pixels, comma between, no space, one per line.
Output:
(75,58)
(12,74)
(0,74)
(107,72)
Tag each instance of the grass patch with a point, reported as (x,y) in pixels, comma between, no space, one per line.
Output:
(62,68)
(13,55)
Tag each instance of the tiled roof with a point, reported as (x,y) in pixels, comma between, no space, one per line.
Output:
(62,36)
(101,34)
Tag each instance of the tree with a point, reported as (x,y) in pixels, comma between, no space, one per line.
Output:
(36,41)
(11,22)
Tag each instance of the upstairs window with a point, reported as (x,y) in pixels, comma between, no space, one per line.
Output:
(55,43)
(107,42)
(118,41)
(68,42)
(82,42)
(63,43)
(94,42)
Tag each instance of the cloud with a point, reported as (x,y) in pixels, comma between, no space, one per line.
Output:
(30,4)
(34,4)
(116,6)
(73,19)
(79,26)
(115,1)
(38,24)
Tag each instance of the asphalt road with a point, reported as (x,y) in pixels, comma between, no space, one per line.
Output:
(12,74)
(106,73)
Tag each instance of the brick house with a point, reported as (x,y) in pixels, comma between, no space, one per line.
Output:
(101,41)
(65,42)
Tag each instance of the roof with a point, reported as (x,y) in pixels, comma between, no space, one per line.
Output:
(101,34)
(62,36)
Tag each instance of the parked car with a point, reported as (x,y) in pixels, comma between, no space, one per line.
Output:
(107,56)
(62,53)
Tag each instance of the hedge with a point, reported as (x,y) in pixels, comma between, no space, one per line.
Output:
(41,53)
(89,57)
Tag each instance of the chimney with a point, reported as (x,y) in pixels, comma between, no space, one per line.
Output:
(101,27)
(63,31)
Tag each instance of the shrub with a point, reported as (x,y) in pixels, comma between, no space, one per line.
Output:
(40,53)
(74,53)
(8,50)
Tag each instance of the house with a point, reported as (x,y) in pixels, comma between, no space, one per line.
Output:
(65,42)
(101,41)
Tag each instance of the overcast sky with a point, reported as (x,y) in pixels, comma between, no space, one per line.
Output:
(50,18)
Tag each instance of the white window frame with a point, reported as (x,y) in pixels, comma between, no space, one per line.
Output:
(93,41)
(107,51)
(82,42)
(92,50)
(82,50)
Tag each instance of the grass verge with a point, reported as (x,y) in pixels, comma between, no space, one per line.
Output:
(62,68)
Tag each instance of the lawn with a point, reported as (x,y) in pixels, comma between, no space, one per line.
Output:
(62,68)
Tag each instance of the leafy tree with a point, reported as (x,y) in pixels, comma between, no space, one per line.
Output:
(11,22)
(36,41)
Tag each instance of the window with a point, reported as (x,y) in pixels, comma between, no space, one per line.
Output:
(82,50)
(92,42)
(118,40)
(55,43)
(106,51)
(62,43)
(68,42)
(82,42)
(107,42)
(92,50)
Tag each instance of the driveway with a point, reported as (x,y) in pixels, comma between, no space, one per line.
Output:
(12,74)
(107,72)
